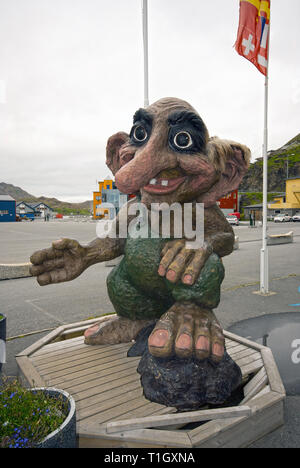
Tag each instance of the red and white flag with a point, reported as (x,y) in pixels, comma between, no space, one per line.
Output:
(253,33)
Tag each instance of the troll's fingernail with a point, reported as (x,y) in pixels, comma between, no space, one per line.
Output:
(171,275)
(187,279)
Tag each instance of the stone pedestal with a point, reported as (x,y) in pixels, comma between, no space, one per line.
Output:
(186,384)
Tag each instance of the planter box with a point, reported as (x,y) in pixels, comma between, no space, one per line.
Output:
(65,435)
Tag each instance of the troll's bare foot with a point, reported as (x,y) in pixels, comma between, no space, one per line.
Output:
(113,330)
(187,330)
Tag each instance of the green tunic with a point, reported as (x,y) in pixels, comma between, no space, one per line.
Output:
(138,292)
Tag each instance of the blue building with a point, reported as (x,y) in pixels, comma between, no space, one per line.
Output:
(7,208)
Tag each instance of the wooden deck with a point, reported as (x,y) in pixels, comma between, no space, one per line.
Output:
(106,388)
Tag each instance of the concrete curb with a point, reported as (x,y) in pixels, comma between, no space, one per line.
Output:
(276,239)
(14,270)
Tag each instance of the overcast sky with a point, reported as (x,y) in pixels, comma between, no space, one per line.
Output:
(71,75)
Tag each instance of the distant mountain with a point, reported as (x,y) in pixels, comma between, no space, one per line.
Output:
(62,207)
(16,192)
(282,163)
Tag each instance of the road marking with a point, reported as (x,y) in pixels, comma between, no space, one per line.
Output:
(41,309)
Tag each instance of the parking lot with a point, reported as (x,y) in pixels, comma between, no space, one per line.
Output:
(32,307)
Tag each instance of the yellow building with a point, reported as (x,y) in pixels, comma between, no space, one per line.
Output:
(99,212)
(290,203)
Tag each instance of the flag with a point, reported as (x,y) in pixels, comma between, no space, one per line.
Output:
(253,32)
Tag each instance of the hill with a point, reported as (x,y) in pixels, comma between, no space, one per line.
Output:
(57,205)
(282,163)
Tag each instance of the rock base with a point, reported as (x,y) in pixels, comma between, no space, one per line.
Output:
(186,384)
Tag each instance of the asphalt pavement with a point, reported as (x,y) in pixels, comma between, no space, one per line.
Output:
(32,311)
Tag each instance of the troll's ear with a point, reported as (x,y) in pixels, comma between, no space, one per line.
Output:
(232,160)
(114,144)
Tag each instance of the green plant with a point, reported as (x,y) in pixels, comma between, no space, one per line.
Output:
(1,317)
(28,416)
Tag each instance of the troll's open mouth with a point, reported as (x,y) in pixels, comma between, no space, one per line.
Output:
(166,181)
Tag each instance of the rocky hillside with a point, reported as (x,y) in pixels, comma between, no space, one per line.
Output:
(282,162)
(60,206)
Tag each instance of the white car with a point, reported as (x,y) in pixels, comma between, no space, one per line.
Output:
(282,218)
(296,217)
(233,220)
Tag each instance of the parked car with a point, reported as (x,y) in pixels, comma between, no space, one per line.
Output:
(296,217)
(236,213)
(282,218)
(232,219)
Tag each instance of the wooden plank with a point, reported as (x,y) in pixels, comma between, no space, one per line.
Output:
(260,404)
(275,381)
(76,349)
(122,408)
(251,368)
(264,391)
(178,418)
(155,438)
(90,322)
(82,355)
(101,378)
(146,410)
(59,345)
(244,341)
(65,369)
(229,344)
(81,329)
(106,388)
(243,361)
(243,353)
(260,384)
(112,403)
(243,433)
(87,374)
(29,372)
(92,388)
(252,384)
(108,394)
(236,349)
(42,342)
(103,370)
(236,429)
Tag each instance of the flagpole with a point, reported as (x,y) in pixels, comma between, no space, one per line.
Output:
(145,42)
(264,253)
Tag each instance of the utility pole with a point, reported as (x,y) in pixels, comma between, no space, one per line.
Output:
(145,42)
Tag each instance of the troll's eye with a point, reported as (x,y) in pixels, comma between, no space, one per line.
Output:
(183,140)
(139,133)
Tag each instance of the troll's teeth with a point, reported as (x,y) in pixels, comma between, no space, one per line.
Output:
(152,182)
(165,183)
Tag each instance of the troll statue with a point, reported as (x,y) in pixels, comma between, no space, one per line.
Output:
(168,157)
